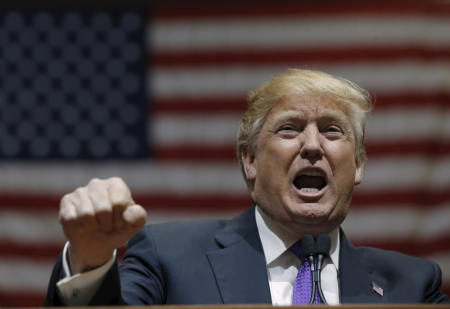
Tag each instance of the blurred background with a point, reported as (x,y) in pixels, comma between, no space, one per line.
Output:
(153,92)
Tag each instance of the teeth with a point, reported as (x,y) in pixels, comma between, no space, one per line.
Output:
(312,173)
(309,190)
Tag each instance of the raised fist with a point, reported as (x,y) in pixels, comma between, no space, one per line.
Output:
(97,219)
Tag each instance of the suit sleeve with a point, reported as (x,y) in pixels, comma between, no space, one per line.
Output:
(107,294)
(52,298)
(141,273)
(141,279)
(434,293)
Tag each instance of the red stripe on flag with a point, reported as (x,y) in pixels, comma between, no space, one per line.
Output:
(404,198)
(429,148)
(164,202)
(21,298)
(187,10)
(220,105)
(257,57)
(408,197)
(411,246)
(446,288)
(42,252)
(227,153)
(38,251)
(27,202)
(196,153)
(204,105)
(411,99)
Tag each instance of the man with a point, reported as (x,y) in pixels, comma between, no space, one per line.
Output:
(301,150)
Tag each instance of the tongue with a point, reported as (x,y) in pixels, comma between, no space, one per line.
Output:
(309,183)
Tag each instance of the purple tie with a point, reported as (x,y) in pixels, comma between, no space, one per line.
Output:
(303,282)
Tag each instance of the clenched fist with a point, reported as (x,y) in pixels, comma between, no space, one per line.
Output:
(97,219)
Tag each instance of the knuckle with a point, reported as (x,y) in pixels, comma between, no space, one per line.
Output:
(98,197)
(78,195)
(119,192)
(79,191)
(95,181)
(102,208)
(115,179)
(66,199)
(119,183)
(62,217)
(120,199)
(65,216)
(86,212)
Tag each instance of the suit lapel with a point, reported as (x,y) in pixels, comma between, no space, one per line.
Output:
(240,269)
(239,265)
(357,279)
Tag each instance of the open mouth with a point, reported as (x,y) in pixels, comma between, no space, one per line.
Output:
(310,181)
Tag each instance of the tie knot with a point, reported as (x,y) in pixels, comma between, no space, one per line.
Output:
(297,250)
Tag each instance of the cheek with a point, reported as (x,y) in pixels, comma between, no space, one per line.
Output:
(342,160)
(273,166)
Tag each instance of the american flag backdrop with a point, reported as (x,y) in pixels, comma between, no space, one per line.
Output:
(155,95)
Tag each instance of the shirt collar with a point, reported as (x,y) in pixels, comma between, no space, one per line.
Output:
(276,241)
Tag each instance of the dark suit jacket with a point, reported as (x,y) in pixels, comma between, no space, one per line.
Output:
(215,262)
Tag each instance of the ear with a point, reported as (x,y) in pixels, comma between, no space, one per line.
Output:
(359,174)
(249,164)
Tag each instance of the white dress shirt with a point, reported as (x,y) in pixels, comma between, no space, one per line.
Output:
(78,289)
(282,269)
(283,265)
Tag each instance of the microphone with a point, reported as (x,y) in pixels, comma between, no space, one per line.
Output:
(322,251)
(315,253)
(309,250)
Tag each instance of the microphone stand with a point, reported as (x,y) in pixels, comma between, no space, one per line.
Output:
(322,251)
(316,252)
(309,250)
(312,266)
(320,258)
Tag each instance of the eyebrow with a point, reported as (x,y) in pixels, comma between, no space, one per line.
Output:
(332,113)
(340,117)
(327,114)
(288,115)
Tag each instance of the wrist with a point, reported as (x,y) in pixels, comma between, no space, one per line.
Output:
(83,260)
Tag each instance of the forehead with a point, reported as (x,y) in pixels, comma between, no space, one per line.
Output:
(294,106)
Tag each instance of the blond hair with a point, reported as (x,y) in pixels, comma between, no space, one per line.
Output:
(304,83)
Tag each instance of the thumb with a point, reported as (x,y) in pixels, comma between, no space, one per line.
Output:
(135,215)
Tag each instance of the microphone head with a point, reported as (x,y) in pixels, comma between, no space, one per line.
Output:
(308,245)
(323,244)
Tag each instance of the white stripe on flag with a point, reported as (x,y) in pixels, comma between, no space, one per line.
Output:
(210,81)
(391,222)
(406,172)
(383,125)
(408,124)
(377,223)
(302,32)
(177,129)
(32,227)
(24,275)
(206,178)
(443,259)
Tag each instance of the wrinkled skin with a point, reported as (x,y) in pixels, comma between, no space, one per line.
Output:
(304,135)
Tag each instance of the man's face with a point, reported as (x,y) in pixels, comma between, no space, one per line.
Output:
(304,165)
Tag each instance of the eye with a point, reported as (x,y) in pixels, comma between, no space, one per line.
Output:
(288,131)
(333,130)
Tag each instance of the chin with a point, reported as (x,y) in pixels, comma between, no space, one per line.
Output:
(316,214)
(313,211)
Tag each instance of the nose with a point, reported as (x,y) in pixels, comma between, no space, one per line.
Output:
(310,145)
